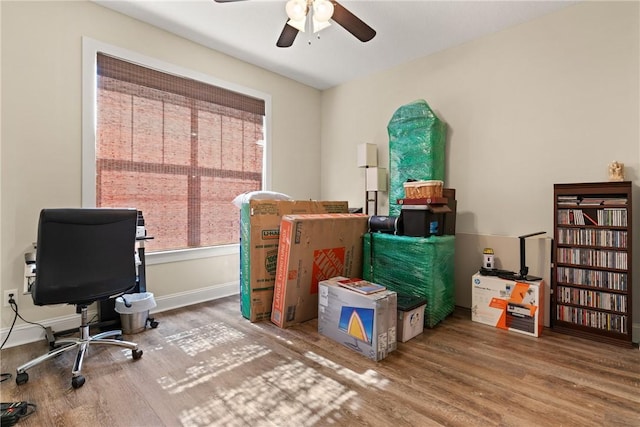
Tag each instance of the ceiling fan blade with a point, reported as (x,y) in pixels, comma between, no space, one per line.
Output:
(287,36)
(352,23)
(226,1)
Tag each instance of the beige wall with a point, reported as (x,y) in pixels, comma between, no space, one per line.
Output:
(520,105)
(41,130)
(549,101)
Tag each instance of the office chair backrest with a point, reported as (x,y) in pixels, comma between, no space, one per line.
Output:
(84,255)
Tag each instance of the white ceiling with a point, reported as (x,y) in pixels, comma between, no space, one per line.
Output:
(406,30)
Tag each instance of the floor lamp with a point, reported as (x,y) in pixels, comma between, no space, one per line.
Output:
(375,178)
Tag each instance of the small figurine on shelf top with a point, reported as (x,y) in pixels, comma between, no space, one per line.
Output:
(616,171)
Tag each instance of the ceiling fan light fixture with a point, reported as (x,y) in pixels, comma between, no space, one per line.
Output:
(322,10)
(296,10)
(316,15)
(298,24)
(320,25)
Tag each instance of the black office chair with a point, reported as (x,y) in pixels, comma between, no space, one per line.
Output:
(83,256)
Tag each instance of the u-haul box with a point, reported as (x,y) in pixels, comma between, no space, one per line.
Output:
(259,237)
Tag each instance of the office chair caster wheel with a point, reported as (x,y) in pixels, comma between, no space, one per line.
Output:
(152,322)
(22,378)
(136,354)
(77,382)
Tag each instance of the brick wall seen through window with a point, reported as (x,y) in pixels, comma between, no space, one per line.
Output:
(178,150)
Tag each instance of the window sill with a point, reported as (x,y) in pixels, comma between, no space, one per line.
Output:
(190,254)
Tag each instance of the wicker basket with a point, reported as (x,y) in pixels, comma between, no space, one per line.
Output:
(422,189)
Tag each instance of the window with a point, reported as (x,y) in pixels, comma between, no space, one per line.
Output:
(177,148)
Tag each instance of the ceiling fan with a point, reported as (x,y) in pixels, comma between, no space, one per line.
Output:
(318,13)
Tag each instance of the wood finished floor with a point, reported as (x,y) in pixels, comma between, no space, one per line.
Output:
(205,365)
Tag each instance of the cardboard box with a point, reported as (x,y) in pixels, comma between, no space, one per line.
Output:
(363,323)
(259,236)
(410,316)
(507,304)
(313,248)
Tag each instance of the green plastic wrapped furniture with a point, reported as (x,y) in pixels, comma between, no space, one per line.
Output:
(419,266)
(416,149)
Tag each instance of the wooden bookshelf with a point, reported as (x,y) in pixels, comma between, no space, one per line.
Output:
(592,261)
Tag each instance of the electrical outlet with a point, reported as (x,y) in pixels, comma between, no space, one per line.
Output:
(5,301)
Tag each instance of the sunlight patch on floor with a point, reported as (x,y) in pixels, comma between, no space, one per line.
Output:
(212,367)
(204,338)
(367,379)
(286,341)
(291,394)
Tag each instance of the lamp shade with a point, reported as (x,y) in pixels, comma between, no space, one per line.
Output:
(322,10)
(319,25)
(376,179)
(298,24)
(296,9)
(367,155)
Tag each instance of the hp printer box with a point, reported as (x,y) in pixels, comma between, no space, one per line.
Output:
(314,248)
(259,236)
(364,323)
(507,304)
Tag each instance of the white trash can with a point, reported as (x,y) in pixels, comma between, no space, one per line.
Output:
(134,311)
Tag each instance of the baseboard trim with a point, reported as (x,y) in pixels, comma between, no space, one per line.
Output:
(26,333)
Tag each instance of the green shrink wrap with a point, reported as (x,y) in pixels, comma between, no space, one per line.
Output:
(416,149)
(418,266)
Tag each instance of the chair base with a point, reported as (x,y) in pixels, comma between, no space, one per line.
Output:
(82,345)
